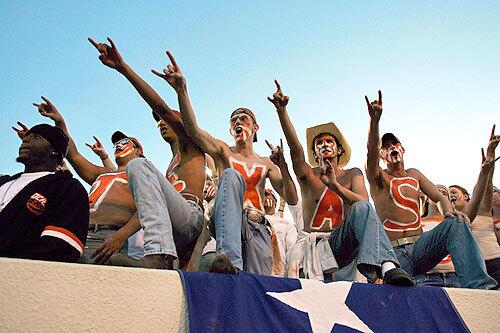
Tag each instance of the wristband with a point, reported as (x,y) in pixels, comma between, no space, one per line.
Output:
(105,158)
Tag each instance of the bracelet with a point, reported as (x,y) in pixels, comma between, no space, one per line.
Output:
(105,158)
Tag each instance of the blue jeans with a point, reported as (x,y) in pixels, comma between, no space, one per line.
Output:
(94,240)
(493,268)
(449,280)
(362,234)
(171,223)
(448,237)
(247,244)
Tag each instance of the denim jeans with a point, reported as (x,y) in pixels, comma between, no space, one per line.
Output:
(247,244)
(448,237)
(94,240)
(493,268)
(449,280)
(361,233)
(171,223)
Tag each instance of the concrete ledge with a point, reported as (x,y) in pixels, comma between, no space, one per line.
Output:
(38,296)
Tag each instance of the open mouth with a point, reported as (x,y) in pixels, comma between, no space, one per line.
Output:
(453,199)
(238,130)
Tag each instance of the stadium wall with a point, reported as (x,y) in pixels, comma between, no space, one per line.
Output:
(38,296)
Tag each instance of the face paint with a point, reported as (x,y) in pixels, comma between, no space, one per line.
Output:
(457,198)
(123,148)
(392,154)
(325,146)
(240,127)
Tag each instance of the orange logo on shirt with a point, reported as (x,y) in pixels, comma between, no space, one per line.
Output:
(408,202)
(252,178)
(330,209)
(36,203)
(102,185)
(172,177)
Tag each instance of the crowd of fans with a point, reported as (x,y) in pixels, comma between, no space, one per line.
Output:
(211,210)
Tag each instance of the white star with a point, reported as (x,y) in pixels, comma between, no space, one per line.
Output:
(324,303)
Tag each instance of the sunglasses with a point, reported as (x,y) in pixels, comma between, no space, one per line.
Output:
(122,142)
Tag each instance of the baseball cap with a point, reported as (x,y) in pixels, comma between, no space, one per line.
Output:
(118,135)
(54,135)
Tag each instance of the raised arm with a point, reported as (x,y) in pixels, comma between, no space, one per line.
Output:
(299,163)
(100,151)
(110,56)
(373,159)
(484,182)
(328,177)
(173,75)
(83,167)
(282,180)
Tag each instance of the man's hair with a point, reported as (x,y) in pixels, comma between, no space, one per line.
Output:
(463,190)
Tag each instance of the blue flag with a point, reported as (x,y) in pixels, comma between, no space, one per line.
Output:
(255,303)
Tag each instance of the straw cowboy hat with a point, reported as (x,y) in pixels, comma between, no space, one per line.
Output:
(330,128)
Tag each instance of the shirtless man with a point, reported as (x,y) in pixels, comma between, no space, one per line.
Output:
(335,200)
(178,201)
(395,192)
(242,234)
(113,215)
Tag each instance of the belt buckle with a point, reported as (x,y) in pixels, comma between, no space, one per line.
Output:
(254,216)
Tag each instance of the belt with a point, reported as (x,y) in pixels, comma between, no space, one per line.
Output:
(254,215)
(194,198)
(404,241)
(97,227)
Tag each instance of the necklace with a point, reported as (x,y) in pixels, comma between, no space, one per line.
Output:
(2,203)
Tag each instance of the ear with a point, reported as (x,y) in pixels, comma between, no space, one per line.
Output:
(403,149)
(255,127)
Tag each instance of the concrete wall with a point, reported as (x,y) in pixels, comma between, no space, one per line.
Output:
(40,296)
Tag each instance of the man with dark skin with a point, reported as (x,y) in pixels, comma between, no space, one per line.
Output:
(186,172)
(43,211)
(395,192)
(239,210)
(335,200)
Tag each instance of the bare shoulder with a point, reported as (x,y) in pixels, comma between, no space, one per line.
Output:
(354,172)
(415,173)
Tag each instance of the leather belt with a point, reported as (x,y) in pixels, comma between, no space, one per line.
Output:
(97,227)
(194,198)
(404,241)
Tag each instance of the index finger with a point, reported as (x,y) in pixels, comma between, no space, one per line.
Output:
(367,101)
(93,42)
(281,144)
(277,85)
(22,125)
(172,59)
(379,97)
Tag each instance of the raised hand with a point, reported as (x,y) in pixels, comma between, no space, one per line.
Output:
(279,99)
(98,149)
(277,156)
(109,54)
(48,110)
(172,74)
(21,132)
(488,161)
(327,175)
(375,107)
(492,145)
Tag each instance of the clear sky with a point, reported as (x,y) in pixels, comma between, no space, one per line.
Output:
(437,64)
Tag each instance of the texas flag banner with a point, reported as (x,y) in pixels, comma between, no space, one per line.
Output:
(255,303)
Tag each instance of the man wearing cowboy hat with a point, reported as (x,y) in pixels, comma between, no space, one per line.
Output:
(242,234)
(335,200)
(395,192)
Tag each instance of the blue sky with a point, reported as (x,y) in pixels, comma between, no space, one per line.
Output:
(437,64)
